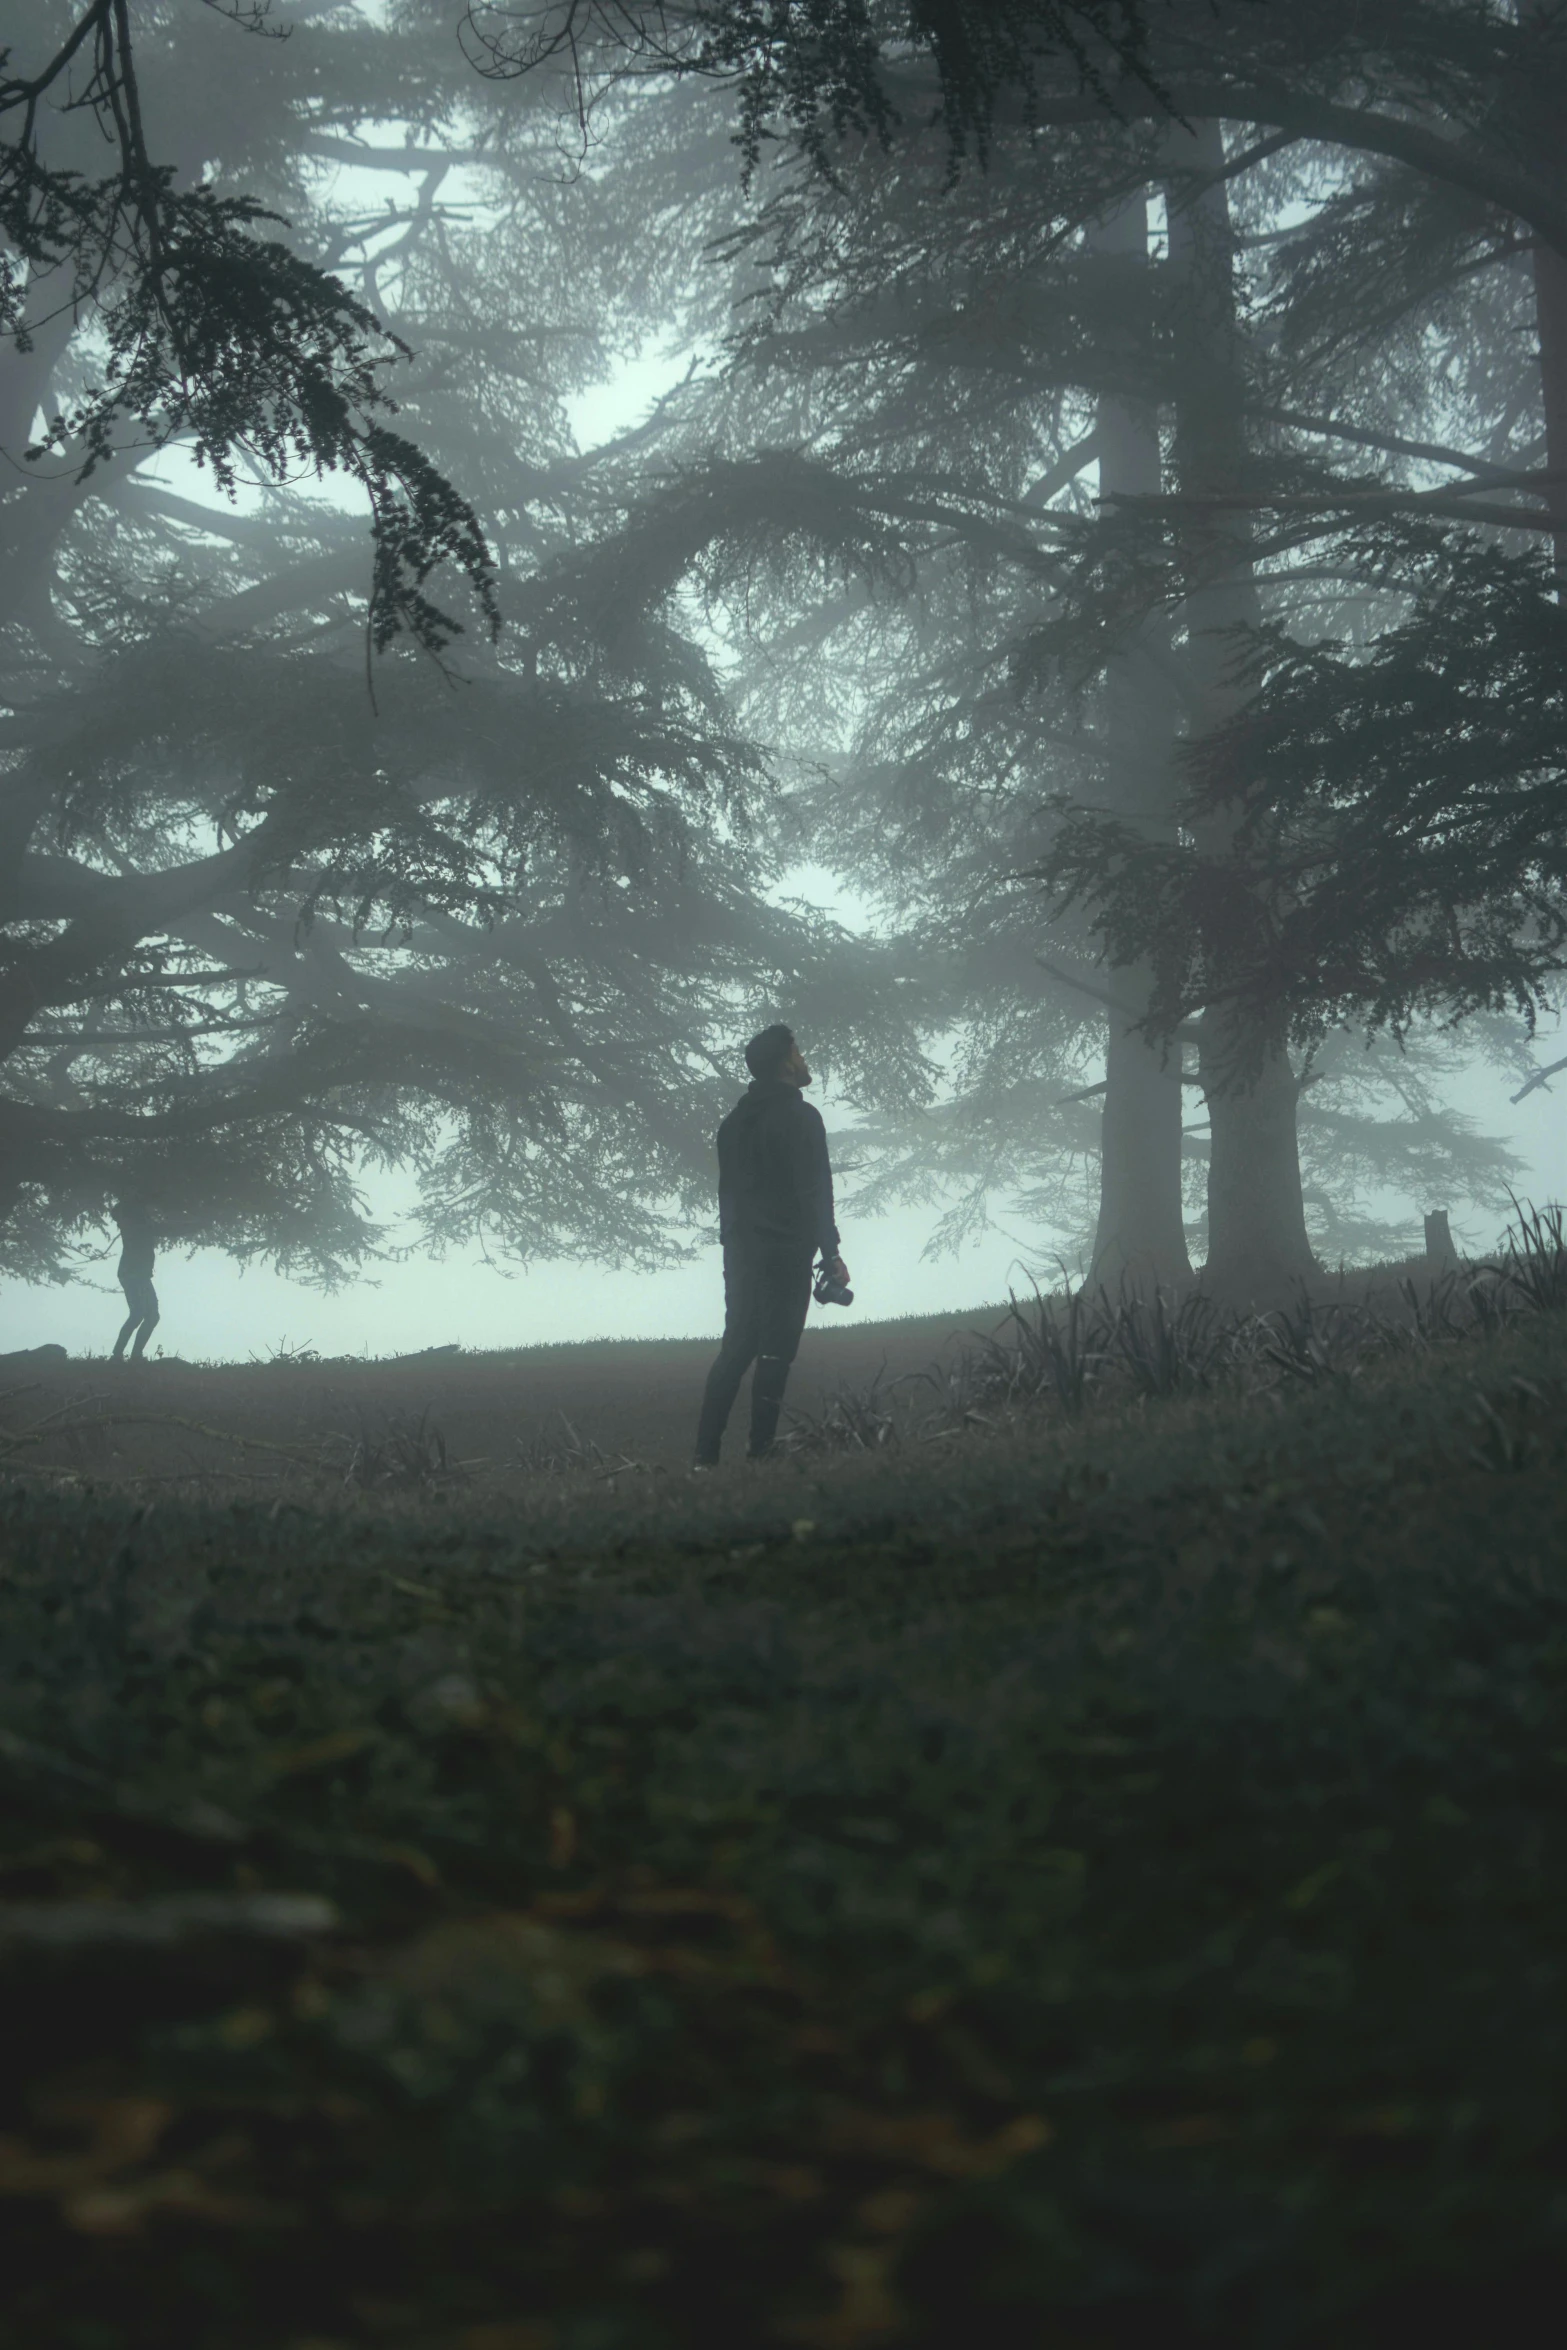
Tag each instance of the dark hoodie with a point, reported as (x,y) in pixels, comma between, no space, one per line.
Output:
(774,1180)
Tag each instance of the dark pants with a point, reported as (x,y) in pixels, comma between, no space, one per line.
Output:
(767,1295)
(142,1299)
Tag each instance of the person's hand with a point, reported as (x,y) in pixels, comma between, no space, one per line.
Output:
(839,1270)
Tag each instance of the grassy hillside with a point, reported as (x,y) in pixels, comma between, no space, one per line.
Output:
(1096,1881)
(630,1396)
(295,1423)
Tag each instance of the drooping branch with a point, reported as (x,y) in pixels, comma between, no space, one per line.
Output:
(219,334)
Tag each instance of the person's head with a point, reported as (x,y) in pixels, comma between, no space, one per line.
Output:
(774,1054)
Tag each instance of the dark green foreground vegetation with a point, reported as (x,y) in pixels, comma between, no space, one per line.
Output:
(1094,1887)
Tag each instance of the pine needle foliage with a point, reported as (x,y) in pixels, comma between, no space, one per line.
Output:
(1399,842)
(815,72)
(214,333)
(265,942)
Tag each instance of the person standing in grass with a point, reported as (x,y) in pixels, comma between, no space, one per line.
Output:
(137,1247)
(775,1211)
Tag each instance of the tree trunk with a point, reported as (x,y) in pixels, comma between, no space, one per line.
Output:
(1141,1234)
(1140,1238)
(36,503)
(1550,302)
(1257,1244)
(1550,307)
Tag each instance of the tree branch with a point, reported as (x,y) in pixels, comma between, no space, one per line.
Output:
(1539,1077)
(1431,452)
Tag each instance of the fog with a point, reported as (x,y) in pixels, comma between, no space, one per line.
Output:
(213,1310)
(656,661)
(1070,627)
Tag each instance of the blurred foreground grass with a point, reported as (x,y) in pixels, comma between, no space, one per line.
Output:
(1093,1886)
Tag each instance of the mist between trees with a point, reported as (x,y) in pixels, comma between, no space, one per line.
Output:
(1111,522)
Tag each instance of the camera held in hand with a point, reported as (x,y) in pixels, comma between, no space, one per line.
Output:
(829,1290)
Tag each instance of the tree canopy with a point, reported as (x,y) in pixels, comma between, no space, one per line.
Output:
(1108,517)
(958,354)
(264,935)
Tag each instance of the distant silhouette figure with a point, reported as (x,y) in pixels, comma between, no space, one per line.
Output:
(137,1249)
(775,1211)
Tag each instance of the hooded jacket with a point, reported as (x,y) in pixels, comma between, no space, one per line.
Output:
(774,1179)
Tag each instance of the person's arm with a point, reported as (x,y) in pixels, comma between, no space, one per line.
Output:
(727,1172)
(813,1182)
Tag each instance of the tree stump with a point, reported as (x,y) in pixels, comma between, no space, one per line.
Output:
(1441,1255)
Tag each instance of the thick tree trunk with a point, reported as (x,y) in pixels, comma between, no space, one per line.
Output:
(1550,307)
(1550,300)
(1140,1238)
(1141,1234)
(1257,1244)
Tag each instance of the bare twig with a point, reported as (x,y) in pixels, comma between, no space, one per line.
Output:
(1539,1077)
(155,1420)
